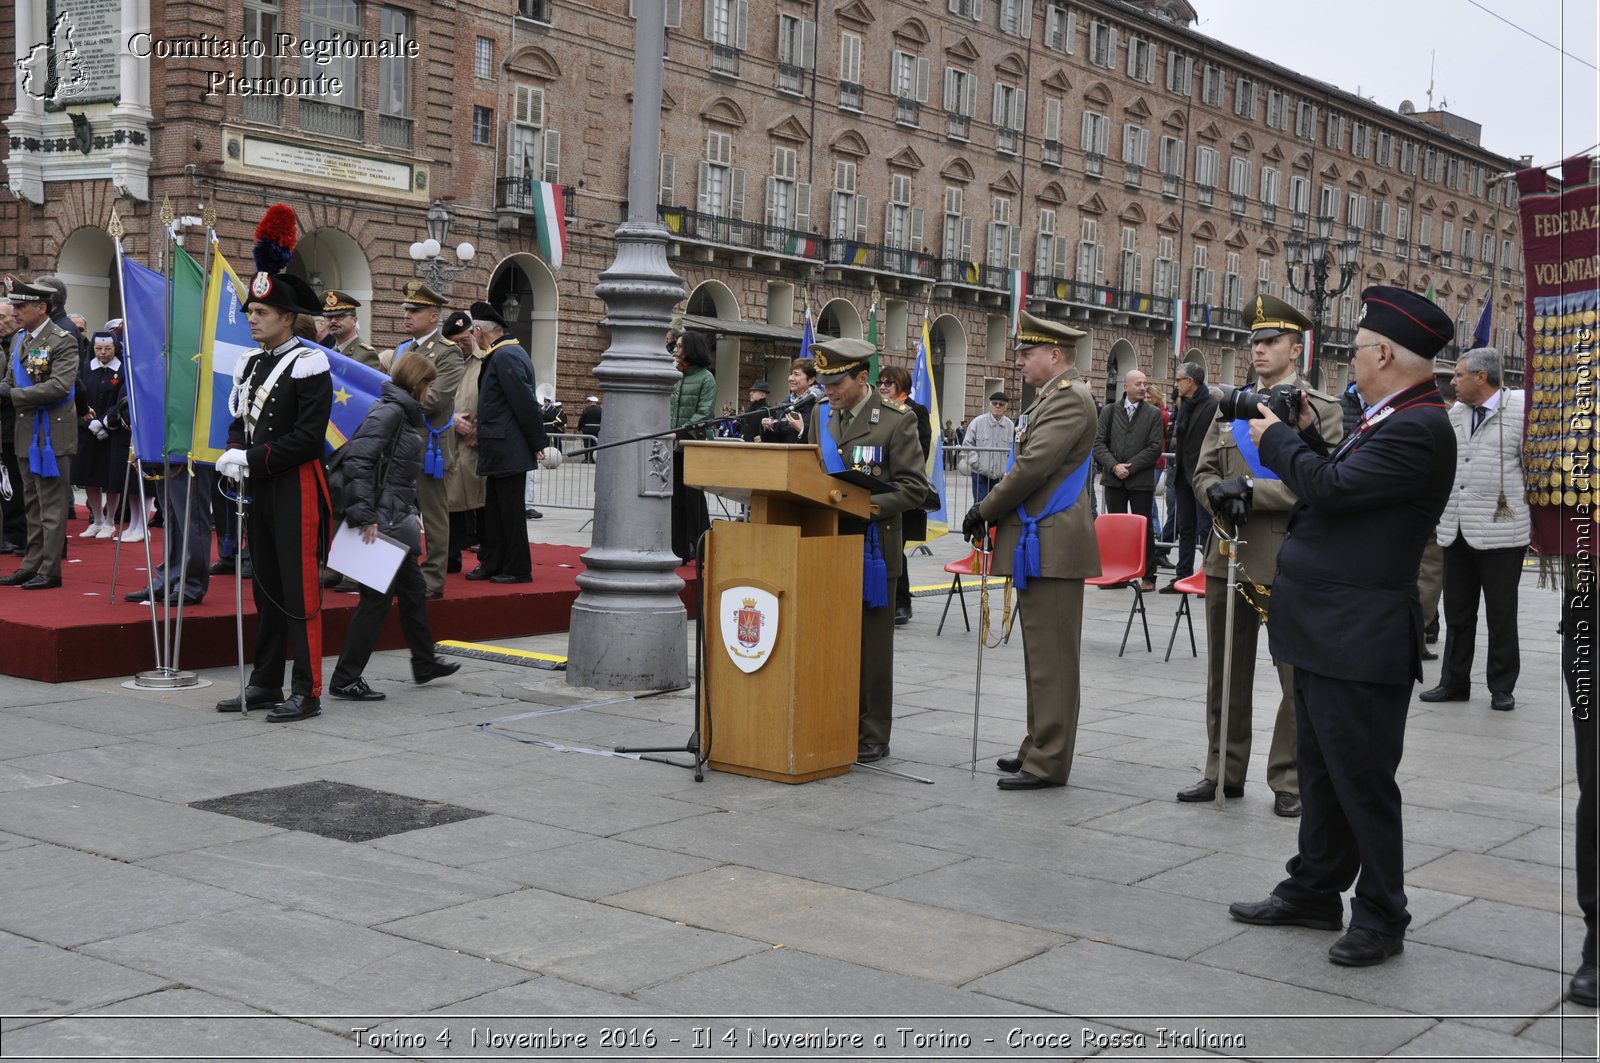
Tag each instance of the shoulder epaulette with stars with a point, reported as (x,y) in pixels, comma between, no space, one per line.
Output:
(897,407)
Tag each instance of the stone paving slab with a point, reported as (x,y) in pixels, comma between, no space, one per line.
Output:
(125,712)
(593,868)
(15,777)
(1542,845)
(1571,1029)
(139,767)
(588,808)
(298,963)
(1455,1040)
(1493,877)
(1465,796)
(49,890)
(483,840)
(1506,931)
(26,736)
(431,778)
(350,883)
(913,939)
(41,979)
(120,825)
(180,1023)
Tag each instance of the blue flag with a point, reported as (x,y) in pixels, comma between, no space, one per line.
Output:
(1480,335)
(924,393)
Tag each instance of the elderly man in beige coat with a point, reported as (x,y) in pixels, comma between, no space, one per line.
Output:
(1484,532)
(1044,498)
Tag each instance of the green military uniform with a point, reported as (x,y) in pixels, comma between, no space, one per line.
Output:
(337,302)
(432,497)
(879,437)
(1220,459)
(1054,438)
(41,393)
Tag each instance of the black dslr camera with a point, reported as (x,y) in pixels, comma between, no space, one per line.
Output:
(1284,401)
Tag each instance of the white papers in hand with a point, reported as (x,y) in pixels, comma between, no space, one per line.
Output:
(371,564)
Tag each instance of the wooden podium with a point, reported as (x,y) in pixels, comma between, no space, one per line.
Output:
(787,706)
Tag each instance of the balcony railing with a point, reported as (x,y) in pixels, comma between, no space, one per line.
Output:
(1083,293)
(958,125)
(1299,221)
(1093,165)
(907,111)
(1005,140)
(1132,174)
(263,109)
(516,194)
(725,60)
(1236,203)
(976,274)
(1377,242)
(1402,248)
(1216,317)
(1269,214)
(791,78)
(394,131)
(1170,183)
(1203,195)
(1505,274)
(1050,153)
(880,257)
(330,119)
(851,95)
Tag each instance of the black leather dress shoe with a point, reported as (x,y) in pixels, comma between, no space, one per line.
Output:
(479,573)
(503,578)
(1170,588)
(867,752)
(1025,780)
(902,617)
(18,578)
(1363,947)
(434,596)
(1429,655)
(137,597)
(1443,693)
(40,583)
(9,547)
(222,566)
(435,669)
(255,697)
(1502,702)
(298,707)
(1275,911)
(355,690)
(1009,765)
(329,578)
(1430,634)
(1582,988)
(1206,790)
(1285,804)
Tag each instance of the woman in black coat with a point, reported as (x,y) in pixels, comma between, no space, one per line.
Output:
(101,466)
(382,462)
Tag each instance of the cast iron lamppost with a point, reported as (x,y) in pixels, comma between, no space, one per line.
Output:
(439,274)
(1310,260)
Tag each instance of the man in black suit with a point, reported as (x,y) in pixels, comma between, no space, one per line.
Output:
(1197,408)
(1127,446)
(1345,614)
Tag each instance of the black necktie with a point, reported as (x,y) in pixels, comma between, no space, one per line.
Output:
(1478,414)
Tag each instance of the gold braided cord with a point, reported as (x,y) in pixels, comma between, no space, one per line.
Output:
(1007,617)
(1225,545)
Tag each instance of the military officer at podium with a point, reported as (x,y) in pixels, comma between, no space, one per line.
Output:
(1046,543)
(859,430)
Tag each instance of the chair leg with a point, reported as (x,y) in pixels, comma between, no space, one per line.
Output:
(955,588)
(1177,622)
(1189,615)
(1129,625)
(1144,619)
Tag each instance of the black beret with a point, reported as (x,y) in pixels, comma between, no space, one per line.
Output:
(1409,319)
(456,324)
(482,311)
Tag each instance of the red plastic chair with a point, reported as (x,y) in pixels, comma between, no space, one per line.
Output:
(967,566)
(1122,560)
(1187,587)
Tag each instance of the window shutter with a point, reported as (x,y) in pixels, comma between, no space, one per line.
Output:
(552,157)
(924,66)
(711,6)
(741,25)
(808,44)
(1052,120)
(802,207)
(736,194)
(705,187)
(916,229)
(1014,255)
(861,218)
(771,216)
(951,92)
(999,105)
(675,13)
(966,239)
(669,179)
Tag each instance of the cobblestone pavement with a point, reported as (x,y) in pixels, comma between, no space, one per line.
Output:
(599,905)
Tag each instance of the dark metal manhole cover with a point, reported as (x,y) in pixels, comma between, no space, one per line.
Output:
(337,810)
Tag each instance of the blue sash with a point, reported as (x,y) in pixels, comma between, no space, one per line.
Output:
(874,571)
(399,352)
(1025,563)
(41,452)
(1249,452)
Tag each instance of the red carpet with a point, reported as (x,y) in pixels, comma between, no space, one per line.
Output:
(71,633)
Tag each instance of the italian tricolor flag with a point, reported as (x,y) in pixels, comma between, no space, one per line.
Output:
(550,217)
(1018,297)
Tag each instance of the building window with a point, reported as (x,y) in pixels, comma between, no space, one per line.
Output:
(1305,119)
(1299,200)
(1166,280)
(1211,85)
(1233,284)
(797,52)
(1244,97)
(1355,214)
(902,223)
(1051,153)
(532,152)
(788,199)
(537,10)
(1277,109)
(482,125)
(1408,157)
(334,113)
(1360,138)
(1130,268)
(261,22)
(1180,73)
(960,100)
(1005,243)
(1172,161)
(1402,229)
(1238,184)
(1453,169)
(1102,44)
(1202,281)
(1060,26)
(1430,164)
(1141,59)
(1271,187)
(1207,164)
(972,9)
(1380,223)
(852,93)
(1335,131)
(394,83)
(1096,141)
(957,227)
(721,184)
(908,83)
(1385,152)
(1135,153)
(1049,252)
(727,26)
(849,220)
(1475,180)
(1016,17)
(1328,203)
(1010,109)
(1264,276)
(1091,253)
(483,58)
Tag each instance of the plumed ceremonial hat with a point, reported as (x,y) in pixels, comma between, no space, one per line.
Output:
(1272,317)
(284,291)
(418,296)
(458,323)
(1037,332)
(338,302)
(1407,318)
(482,311)
(274,247)
(835,358)
(19,292)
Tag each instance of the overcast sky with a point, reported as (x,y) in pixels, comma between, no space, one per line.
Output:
(1529,99)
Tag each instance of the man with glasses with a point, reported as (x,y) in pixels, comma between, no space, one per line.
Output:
(344,329)
(989,436)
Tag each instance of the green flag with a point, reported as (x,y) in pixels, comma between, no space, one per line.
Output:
(183,351)
(872,338)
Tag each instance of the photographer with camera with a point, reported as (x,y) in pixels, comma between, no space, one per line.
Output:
(1249,502)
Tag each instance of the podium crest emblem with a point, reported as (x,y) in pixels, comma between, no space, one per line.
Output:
(749,626)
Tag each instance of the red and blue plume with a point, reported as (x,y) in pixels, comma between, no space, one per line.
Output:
(275,238)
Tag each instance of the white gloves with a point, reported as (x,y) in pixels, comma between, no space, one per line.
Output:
(233,464)
(98,428)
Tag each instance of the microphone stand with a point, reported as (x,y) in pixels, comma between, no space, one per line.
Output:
(801,406)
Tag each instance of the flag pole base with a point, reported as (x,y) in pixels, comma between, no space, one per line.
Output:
(165,679)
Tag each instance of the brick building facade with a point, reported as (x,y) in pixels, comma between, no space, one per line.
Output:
(810,152)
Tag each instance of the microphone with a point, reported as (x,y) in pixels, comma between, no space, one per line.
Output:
(803,404)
